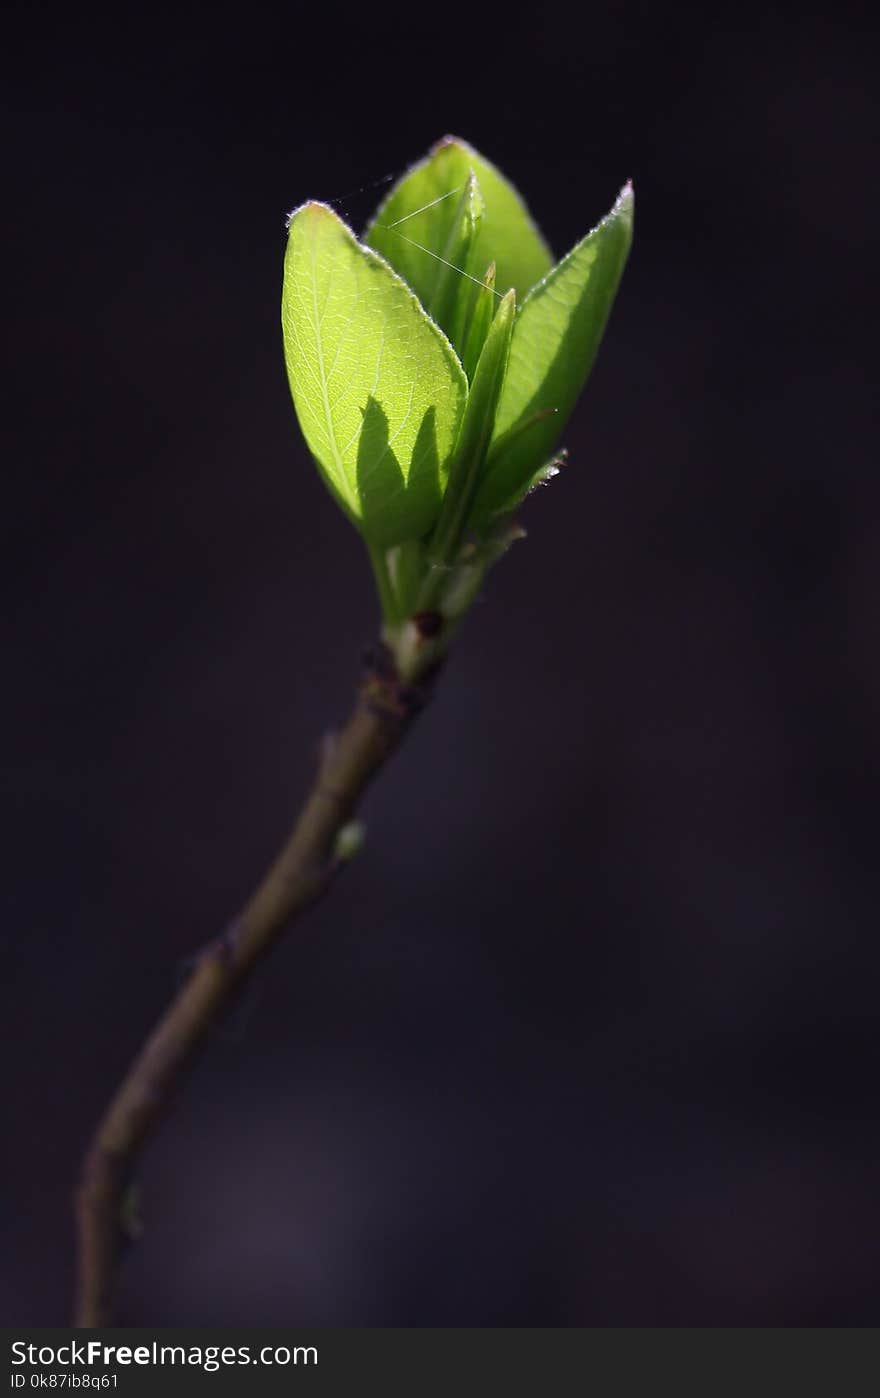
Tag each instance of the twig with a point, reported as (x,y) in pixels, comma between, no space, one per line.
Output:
(302,872)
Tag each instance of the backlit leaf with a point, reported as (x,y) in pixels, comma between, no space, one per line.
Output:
(476,431)
(475,326)
(378,390)
(414,224)
(557,334)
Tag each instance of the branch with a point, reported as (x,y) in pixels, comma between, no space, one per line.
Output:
(302,872)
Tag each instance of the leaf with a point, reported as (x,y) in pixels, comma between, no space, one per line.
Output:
(378,390)
(420,210)
(476,432)
(451,291)
(482,309)
(555,341)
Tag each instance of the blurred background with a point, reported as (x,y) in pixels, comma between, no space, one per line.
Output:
(588,1034)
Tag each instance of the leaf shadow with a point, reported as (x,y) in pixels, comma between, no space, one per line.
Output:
(396,506)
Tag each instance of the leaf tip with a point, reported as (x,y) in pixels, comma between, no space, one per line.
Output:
(309,209)
(446,141)
(625,201)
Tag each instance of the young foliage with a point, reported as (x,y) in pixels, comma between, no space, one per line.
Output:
(477,310)
(378,391)
(416,224)
(434,365)
(476,433)
(555,342)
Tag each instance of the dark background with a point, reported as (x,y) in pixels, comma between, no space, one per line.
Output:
(589,1032)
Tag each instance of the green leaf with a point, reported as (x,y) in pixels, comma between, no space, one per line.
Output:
(378,390)
(555,341)
(413,225)
(475,327)
(476,432)
(451,290)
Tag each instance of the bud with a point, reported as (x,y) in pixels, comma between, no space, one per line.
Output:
(434,364)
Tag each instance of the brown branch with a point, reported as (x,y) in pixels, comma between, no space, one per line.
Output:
(302,872)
